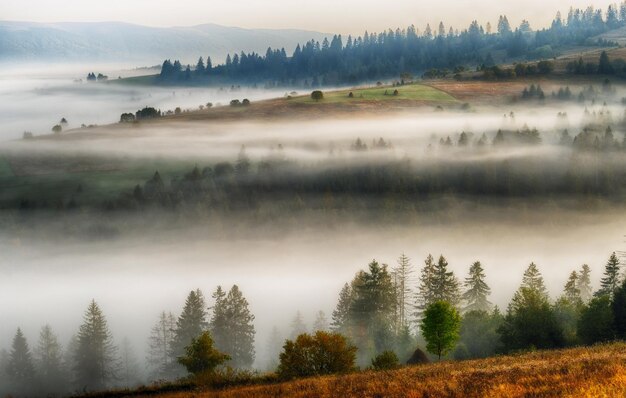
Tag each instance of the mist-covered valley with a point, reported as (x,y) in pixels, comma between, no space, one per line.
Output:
(137,215)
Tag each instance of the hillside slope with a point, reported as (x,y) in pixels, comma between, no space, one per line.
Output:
(120,42)
(581,372)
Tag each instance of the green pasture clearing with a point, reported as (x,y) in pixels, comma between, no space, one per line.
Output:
(412,92)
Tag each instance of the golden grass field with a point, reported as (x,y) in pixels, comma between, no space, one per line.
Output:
(598,371)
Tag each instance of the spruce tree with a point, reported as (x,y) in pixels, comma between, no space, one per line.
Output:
(427,288)
(130,373)
(571,291)
(320,323)
(611,280)
(297,325)
(274,347)
(446,285)
(49,362)
(20,367)
(160,345)
(190,324)
(584,283)
(236,329)
(533,280)
(402,274)
(218,323)
(341,315)
(477,290)
(95,361)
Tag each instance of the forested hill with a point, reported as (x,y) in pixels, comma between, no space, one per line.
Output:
(399,52)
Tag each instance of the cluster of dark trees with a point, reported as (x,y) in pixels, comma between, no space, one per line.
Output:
(379,308)
(380,318)
(92,361)
(595,167)
(392,53)
(604,66)
(91,77)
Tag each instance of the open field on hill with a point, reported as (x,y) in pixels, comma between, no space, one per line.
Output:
(581,372)
(416,92)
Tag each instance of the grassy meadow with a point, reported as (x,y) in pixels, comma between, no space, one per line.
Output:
(598,371)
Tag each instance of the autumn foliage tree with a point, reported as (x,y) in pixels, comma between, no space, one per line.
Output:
(323,353)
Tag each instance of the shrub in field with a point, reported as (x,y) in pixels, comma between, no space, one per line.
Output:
(312,355)
(317,95)
(385,361)
(201,357)
(418,357)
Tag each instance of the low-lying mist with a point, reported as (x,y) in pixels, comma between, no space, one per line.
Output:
(289,210)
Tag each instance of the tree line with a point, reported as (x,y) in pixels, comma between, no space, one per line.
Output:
(399,52)
(382,315)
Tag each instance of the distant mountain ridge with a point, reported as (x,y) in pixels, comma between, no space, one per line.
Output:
(119,41)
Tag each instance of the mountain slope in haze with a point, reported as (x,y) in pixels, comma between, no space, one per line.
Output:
(118,42)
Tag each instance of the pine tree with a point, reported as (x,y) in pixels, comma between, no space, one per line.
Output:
(95,352)
(584,283)
(274,347)
(218,322)
(189,325)
(160,345)
(297,326)
(426,290)
(446,285)
(49,362)
(533,280)
(130,373)
(611,280)
(20,366)
(243,162)
(571,291)
(477,290)
(402,275)
(321,323)
(239,342)
(341,315)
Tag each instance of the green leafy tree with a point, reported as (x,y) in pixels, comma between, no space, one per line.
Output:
(477,291)
(441,327)
(323,353)
(96,355)
(611,280)
(597,323)
(200,355)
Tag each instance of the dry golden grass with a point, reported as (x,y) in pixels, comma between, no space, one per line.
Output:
(581,372)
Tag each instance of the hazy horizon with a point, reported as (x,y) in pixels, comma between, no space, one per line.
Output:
(317,16)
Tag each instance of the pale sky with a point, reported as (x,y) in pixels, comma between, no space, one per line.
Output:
(340,16)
